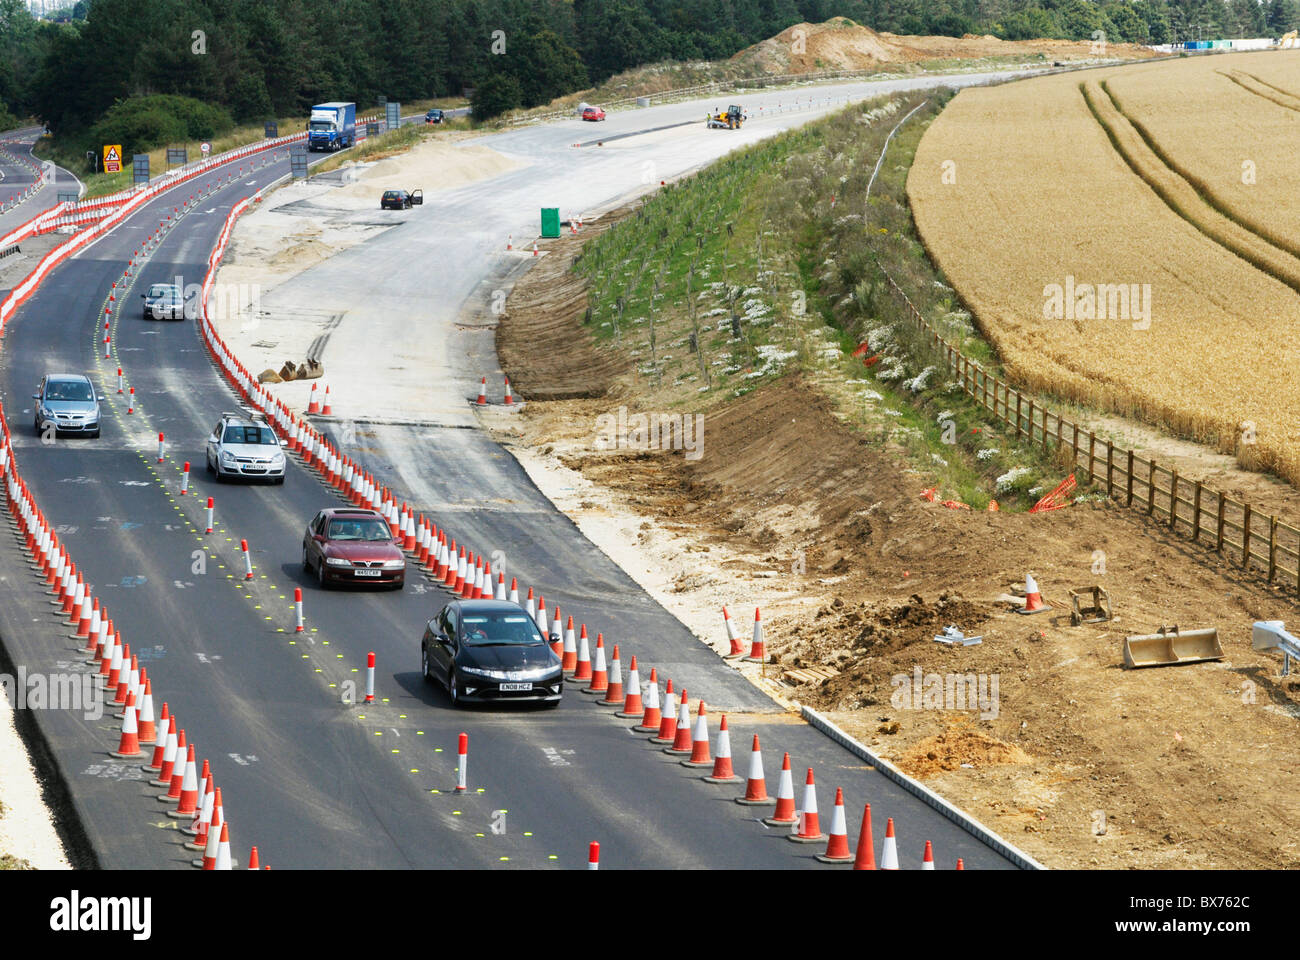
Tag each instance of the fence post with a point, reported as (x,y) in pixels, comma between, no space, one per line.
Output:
(1092,446)
(1151,488)
(1173,500)
(1029,423)
(1245,537)
(1218,542)
(1110,466)
(1017,429)
(1044,430)
(1128,499)
(1272,547)
(1196,513)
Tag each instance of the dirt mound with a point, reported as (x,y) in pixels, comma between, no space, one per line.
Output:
(957,746)
(842,44)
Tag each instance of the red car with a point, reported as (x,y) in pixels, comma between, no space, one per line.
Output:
(593,113)
(350,545)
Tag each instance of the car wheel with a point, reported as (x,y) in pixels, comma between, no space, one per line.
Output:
(36,425)
(551,704)
(451,689)
(320,575)
(207,461)
(95,435)
(279,481)
(424,664)
(306,564)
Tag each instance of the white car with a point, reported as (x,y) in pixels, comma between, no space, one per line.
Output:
(242,447)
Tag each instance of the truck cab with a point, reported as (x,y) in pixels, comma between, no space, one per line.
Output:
(332,126)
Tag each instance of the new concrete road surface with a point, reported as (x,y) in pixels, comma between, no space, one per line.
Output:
(15,178)
(310,776)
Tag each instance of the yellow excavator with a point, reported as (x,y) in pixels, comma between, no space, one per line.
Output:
(731,119)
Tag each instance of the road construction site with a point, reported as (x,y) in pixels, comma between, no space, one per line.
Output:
(313,776)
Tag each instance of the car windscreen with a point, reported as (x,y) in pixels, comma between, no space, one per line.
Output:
(499,627)
(68,390)
(371,530)
(256,435)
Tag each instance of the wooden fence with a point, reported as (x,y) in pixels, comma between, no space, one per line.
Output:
(1257,542)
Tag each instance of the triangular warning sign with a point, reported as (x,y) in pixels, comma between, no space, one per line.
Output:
(111,154)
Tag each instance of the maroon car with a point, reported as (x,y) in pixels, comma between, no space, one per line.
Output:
(349,545)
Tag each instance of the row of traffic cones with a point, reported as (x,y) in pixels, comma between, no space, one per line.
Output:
(482,399)
(757,648)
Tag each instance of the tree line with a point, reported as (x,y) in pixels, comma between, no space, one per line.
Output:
(256,59)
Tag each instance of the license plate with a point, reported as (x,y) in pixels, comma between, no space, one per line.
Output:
(368,573)
(516,686)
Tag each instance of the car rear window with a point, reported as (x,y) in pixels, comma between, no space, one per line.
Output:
(392,194)
(505,627)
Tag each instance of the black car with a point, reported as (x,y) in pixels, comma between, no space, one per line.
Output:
(401,199)
(433,116)
(490,650)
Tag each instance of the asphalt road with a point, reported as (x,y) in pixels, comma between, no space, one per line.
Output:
(314,780)
(15,178)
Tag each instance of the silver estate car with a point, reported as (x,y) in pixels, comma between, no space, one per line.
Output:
(240,446)
(68,404)
(164,301)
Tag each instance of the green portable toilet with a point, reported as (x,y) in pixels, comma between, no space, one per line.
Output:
(550,221)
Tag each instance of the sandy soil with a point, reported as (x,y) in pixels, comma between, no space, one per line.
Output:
(26,825)
(1079,761)
(841,44)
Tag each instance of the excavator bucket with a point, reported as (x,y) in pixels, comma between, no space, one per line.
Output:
(1171,646)
(1089,605)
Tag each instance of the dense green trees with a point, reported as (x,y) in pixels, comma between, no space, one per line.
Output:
(261,58)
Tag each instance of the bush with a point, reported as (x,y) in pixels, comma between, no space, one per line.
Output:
(494,96)
(143,123)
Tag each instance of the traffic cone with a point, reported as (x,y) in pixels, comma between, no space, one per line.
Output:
(582,670)
(682,735)
(1033,599)
(534,248)
(784,814)
(632,706)
(756,785)
(927,861)
(313,405)
(514,590)
(651,716)
(199,828)
(530,605)
(540,616)
(599,672)
(129,745)
(189,799)
(960,864)
(866,859)
(160,743)
(148,730)
(175,744)
(736,648)
(837,842)
(722,770)
(482,392)
(510,399)
(501,586)
(614,686)
(889,852)
(699,741)
(569,657)
(809,827)
(184,761)
(757,651)
(223,851)
(209,858)
(668,718)
(253,862)
(325,410)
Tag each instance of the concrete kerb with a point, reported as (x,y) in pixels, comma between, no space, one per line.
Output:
(922,792)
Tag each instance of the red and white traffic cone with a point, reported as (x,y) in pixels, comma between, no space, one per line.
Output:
(209,859)
(722,769)
(757,651)
(927,859)
(593,856)
(1033,599)
(889,851)
(248,560)
(569,654)
(325,410)
(164,729)
(737,649)
(253,862)
(370,677)
(540,617)
(188,805)
(614,687)
(129,745)
(582,669)
(184,760)
(667,733)
(633,709)
(313,405)
(297,605)
(482,392)
(651,717)
(510,399)
(148,730)
(784,814)
(211,506)
(960,865)
(530,605)
(462,762)
(199,828)
(534,248)
(501,586)
(809,828)
(599,672)
(561,644)
(223,850)
(185,479)
(756,784)
(514,590)
(837,840)
(681,746)
(866,858)
(173,751)
(700,756)
(510,241)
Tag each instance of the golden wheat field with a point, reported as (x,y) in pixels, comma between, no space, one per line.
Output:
(1093,285)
